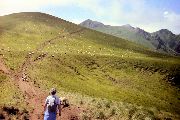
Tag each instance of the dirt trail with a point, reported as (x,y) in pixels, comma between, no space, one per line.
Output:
(34,96)
(3,67)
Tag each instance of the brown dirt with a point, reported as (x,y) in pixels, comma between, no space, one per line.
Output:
(71,113)
(34,96)
(11,112)
(3,67)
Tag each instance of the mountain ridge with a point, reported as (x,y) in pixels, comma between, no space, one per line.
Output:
(125,25)
(162,40)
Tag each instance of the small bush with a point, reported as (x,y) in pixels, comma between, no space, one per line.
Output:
(108,104)
(142,115)
(100,115)
(132,112)
(113,112)
(81,102)
(99,105)
(85,117)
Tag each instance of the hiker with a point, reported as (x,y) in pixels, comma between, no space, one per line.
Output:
(51,104)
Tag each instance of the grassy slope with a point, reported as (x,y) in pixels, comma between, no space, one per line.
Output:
(10,95)
(126,34)
(90,63)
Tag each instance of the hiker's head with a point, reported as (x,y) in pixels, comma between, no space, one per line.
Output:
(53,91)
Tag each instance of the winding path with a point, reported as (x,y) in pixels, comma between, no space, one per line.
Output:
(34,96)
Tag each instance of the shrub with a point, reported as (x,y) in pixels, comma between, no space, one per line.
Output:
(113,112)
(85,116)
(100,115)
(142,115)
(99,105)
(108,104)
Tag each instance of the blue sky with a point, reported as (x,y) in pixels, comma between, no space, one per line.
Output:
(150,15)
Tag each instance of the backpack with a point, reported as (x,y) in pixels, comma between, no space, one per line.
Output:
(52,106)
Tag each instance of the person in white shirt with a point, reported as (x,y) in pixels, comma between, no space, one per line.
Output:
(52,105)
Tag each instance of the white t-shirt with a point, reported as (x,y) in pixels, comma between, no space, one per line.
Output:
(57,100)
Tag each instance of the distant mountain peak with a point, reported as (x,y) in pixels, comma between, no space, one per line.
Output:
(91,24)
(165,31)
(164,34)
(88,20)
(127,26)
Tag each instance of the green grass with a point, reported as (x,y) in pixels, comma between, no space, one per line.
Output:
(116,81)
(9,93)
(109,109)
(90,63)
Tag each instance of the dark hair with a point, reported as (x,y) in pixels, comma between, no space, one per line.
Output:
(53,91)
